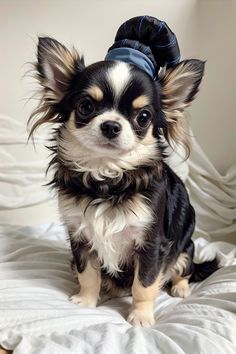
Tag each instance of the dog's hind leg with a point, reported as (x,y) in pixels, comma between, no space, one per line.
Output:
(181,272)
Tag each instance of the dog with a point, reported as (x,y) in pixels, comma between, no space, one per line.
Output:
(128,215)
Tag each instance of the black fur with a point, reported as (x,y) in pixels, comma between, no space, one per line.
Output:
(169,235)
(203,270)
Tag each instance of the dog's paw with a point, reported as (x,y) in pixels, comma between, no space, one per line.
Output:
(141,318)
(83,301)
(180,290)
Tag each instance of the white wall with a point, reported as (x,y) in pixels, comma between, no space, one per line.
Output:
(214,112)
(89,25)
(205,28)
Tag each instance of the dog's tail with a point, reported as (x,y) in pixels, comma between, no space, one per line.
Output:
(203,270)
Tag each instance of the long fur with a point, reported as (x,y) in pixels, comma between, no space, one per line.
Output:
(124,208)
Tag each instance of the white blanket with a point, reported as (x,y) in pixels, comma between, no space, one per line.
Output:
(37,317)
(36,281)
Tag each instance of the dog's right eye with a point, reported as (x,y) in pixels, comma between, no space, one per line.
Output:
(85,107)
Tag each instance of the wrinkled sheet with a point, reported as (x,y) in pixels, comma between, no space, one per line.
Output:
(22,167)
(36,280)
(37,317)
(213,197)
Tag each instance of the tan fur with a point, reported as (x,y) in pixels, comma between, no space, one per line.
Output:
(180,287)
(149,138)
(181,263)
(90,283)
(64,61)
(95,92)
(5,351)
(179,283)
(178,268)
(143,300)
(176,85)
(140,102)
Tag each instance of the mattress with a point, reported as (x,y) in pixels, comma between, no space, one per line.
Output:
(36,315)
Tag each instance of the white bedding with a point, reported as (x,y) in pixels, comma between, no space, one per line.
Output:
(36,281)
(37,317)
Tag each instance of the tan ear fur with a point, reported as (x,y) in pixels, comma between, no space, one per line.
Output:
(178,89)
(54,71)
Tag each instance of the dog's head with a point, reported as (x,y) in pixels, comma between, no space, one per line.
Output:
(112,109)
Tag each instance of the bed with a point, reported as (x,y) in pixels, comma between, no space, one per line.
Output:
(36,282)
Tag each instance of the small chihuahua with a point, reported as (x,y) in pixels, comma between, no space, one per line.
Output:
(127,213)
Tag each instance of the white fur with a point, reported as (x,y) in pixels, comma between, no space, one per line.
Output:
(91,135)
(86,156)
(119,76)
(111,230)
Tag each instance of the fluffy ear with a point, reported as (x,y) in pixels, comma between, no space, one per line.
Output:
(56,66)
(179,86)
(55,69)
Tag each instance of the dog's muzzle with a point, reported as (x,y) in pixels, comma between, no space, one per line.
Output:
(110,129)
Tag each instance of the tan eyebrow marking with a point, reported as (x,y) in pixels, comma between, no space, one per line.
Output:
(140,101)
(95,92)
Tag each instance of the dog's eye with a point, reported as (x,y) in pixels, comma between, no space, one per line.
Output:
(85,107)
(143,118)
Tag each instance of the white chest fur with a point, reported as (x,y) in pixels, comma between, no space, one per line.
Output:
(111,230)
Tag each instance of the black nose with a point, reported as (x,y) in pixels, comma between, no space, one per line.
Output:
(110,129)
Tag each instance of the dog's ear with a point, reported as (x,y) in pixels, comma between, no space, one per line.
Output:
(179,86)
(56,67)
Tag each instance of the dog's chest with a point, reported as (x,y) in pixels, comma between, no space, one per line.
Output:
(114,231)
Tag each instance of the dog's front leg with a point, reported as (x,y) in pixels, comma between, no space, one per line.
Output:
(144,297)
(89,277)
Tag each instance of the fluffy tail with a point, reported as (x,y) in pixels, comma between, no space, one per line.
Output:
(203,270)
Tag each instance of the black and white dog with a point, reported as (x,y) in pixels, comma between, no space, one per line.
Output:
(127,213)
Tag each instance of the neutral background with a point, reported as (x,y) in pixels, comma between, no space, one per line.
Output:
(205,29)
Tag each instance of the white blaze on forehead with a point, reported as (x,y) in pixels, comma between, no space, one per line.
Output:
(119,76)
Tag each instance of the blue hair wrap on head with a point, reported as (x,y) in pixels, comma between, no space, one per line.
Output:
(132,56)
(146,42)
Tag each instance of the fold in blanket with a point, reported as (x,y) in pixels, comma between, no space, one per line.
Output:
(36,315)
(213,196)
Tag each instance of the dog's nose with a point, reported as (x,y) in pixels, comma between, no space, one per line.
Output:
(111,129)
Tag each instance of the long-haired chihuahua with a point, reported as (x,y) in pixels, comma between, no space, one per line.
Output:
(128,215)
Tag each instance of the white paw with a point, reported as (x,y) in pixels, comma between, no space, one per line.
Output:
(141,318)
(83,301)
(180,290)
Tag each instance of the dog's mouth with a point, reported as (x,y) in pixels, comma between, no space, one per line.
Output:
(108,145)
(112,146)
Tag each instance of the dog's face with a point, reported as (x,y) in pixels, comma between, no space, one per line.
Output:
(114,108)
(110,107)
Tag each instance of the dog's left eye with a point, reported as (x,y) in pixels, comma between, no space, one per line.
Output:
(85,107)
(143,118)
